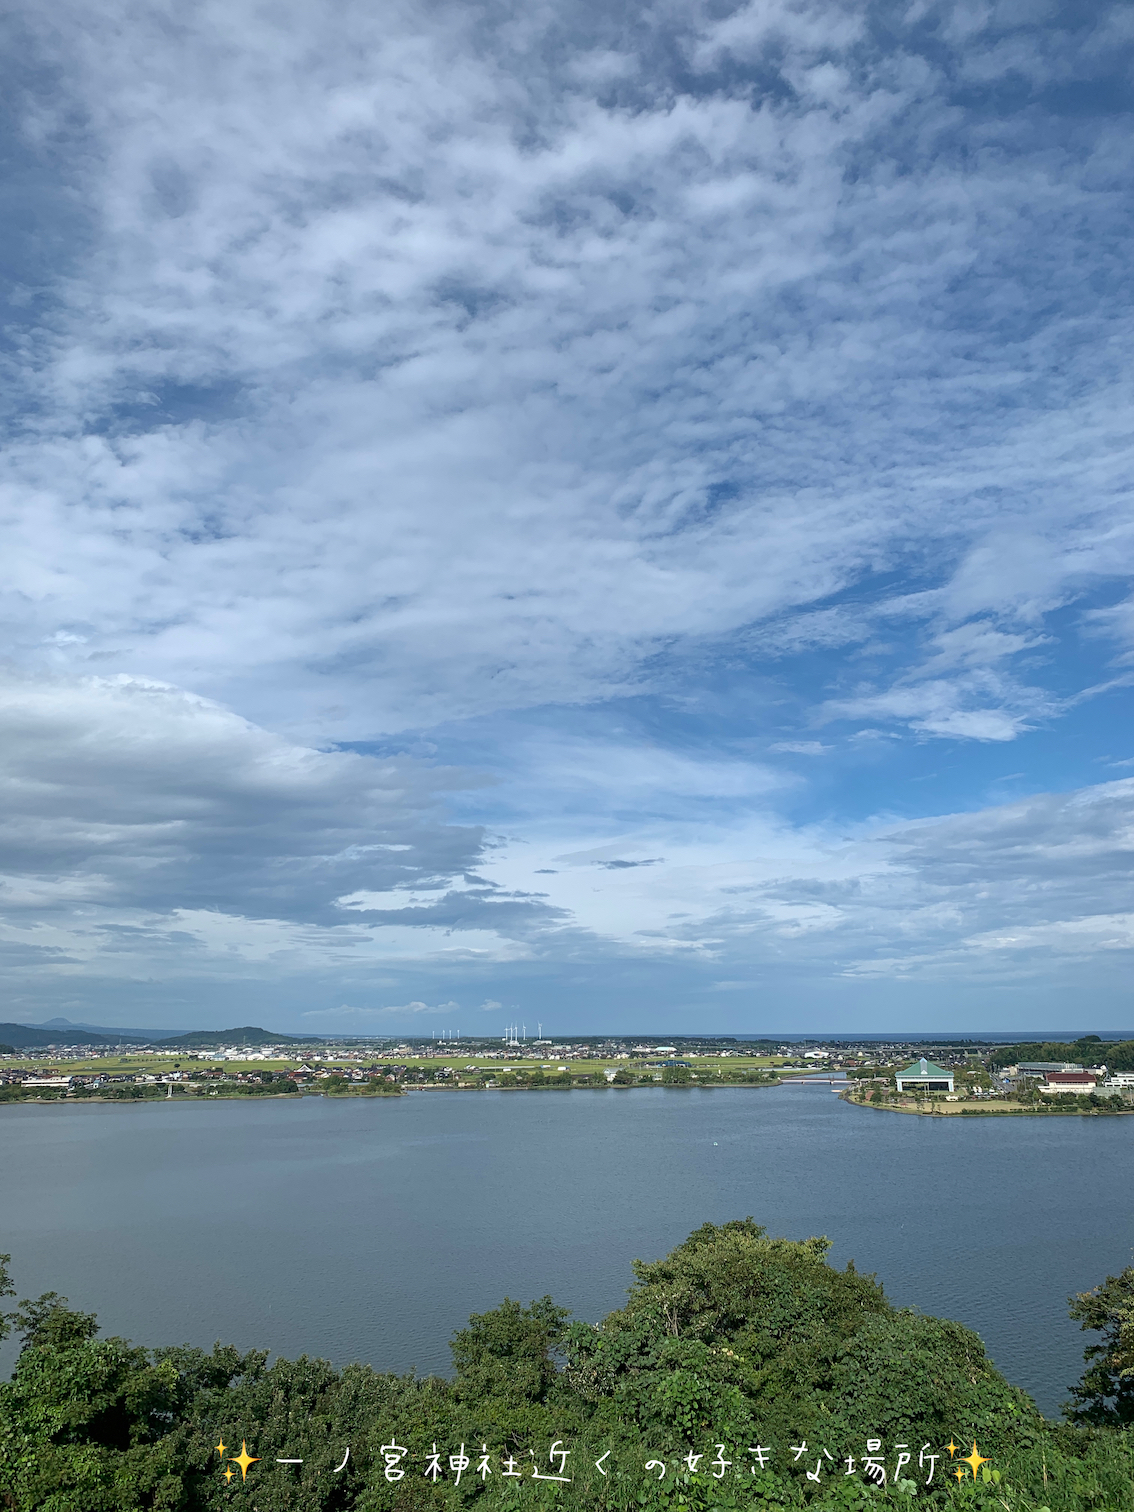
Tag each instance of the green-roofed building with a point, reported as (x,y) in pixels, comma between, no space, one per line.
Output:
(923,1076)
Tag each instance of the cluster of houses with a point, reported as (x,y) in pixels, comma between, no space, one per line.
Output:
(1064,1076)
(1048,1077)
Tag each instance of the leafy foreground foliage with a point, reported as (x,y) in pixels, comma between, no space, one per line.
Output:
(734,1339)
(1105,1395)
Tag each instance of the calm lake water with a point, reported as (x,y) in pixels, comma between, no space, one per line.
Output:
(370,1228)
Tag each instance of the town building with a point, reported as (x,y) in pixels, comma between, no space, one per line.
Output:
(1042,1068)
(1069,1081)
(923,1076)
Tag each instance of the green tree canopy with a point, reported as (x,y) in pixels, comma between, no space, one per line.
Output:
(507,1353)
(734,1337)
(1117,1055)
(676,1076)
(737,1327)
(1105,1395)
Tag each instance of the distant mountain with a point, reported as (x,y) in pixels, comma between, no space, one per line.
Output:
(24,1038)
(204,1039)
(63,1032)
(111,1031)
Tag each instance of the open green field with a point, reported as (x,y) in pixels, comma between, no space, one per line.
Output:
(157,1065)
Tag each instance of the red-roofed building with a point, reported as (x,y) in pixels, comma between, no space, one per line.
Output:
(1069,1081)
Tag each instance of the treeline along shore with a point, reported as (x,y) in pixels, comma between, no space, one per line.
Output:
(377,1081)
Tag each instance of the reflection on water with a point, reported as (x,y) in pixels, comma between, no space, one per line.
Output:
(370,1229)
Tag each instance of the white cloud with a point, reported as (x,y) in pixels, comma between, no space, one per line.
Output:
(401,1009)
(147,828)
(1040,877)
(153,796)
(1074,937)
(977,706)
(402,375)
(404,367)
(144,821)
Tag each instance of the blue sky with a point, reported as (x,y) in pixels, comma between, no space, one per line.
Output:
(610,516)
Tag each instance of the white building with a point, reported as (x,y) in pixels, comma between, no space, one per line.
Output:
(1069,1081)
(924,1076)
(1043,1068)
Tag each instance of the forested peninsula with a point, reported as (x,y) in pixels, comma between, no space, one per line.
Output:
(744,1372)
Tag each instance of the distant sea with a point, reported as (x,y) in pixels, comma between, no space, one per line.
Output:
(371,1228)
(944,1036)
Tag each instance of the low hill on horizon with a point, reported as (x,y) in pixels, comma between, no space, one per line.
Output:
(117,1033)
(41,1037)
(23,1037)
(248,1034)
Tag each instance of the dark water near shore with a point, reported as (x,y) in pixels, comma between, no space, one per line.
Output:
(370,1228)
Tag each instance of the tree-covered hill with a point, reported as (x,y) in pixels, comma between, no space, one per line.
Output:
(248,1034)
(25,1037)
(743,1372)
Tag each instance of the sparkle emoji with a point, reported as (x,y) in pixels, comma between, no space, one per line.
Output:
(244,1459)
(952,1448)
(228,1474)
(221,1447)
(975,1459)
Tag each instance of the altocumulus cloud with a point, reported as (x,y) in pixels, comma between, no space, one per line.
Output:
(379,379)
(554,337)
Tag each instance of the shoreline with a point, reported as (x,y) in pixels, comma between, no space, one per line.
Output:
(196,1097)
(917,1112)
(1017,1111)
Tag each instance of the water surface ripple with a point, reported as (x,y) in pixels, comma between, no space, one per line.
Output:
(370,1228)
